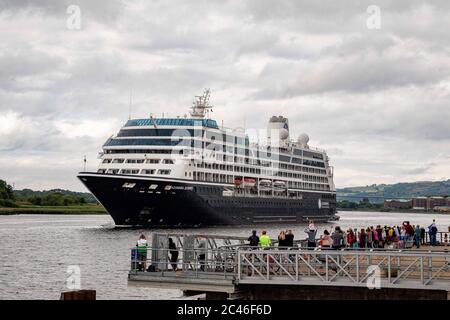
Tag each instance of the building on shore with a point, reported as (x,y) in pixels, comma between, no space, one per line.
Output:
(397,204)
(431,203)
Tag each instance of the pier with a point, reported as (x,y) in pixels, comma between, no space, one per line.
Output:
(233,270)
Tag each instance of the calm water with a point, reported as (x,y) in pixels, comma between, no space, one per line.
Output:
(35,251)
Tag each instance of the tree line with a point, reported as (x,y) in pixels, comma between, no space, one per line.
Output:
(10,197)
(363,204)
(6,195)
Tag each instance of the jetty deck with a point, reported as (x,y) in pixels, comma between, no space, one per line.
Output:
(232,269)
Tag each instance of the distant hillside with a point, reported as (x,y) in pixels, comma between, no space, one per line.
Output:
(377,193)
(28,193)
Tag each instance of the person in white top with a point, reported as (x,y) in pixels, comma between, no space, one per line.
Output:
(142,245)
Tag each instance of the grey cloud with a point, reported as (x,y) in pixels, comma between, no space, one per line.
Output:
(415,171)
(362,72)
(103,11)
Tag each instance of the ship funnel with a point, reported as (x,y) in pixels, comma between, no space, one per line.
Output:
(278,131)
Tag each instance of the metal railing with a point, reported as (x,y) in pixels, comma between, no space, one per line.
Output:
(442,238)
(409,269)
(346,267)
(187,262)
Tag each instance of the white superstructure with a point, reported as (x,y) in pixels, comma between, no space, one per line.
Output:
(197,149)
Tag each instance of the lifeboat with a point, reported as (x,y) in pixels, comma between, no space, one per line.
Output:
(265,184)
(279,184)
(249,182)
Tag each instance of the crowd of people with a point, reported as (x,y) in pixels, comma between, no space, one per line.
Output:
(403,236)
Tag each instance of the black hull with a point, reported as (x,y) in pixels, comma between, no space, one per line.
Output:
(178,203)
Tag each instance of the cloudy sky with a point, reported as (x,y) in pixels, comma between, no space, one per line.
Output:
(376,96)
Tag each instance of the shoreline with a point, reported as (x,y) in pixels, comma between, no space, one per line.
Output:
(393,211)
(69,210)
(100,210)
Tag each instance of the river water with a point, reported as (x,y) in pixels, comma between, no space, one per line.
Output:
(36,251)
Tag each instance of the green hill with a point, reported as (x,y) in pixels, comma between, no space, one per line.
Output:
(404,190)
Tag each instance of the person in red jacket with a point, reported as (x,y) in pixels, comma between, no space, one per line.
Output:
(409,230)
(350,238)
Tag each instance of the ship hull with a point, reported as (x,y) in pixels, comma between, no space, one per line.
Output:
(159,202)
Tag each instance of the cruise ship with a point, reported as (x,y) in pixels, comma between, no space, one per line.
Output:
(189,171)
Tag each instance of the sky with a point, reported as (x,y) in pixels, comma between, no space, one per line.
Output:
(371,85)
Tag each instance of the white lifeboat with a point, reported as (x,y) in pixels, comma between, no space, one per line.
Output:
(265,183)
(279,184)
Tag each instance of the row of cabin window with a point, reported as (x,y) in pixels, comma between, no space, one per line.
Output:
(267,172)
(213,177)
(252,170)
(260,161)
(134,171)
(211,146)
(213,136)
(164,161)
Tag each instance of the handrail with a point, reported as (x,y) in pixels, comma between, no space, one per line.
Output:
(241,263)
(335,267)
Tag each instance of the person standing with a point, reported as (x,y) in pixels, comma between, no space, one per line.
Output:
(201,252)
(432,230)
(173,255)
(403,237)
(355,242)
(289,240)
(253,240)
(350,238)
(141,249)
(390,235)
(422,235)
(311,225)
(311,236)
(410,231)
(417,234)
(282,240)
(362,238)
(397,231)
(325,240)
(264,240)
(381,236)
(338,238)
(375,237)
(369,237)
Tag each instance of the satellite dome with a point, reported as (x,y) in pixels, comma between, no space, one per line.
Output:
(303,139)
(284,134)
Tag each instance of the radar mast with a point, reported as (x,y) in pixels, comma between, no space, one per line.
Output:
(200,106)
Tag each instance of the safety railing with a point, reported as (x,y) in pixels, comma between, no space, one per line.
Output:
(294,265)
(442,238)
(185,262)
(386,268)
